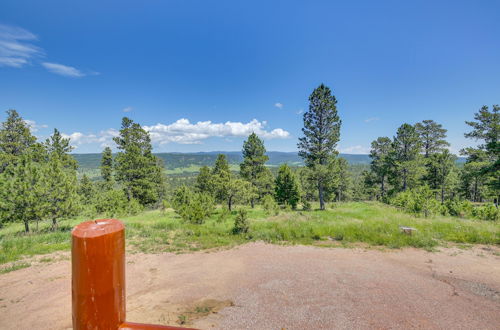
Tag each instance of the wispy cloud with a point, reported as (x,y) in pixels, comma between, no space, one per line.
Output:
(368,120)
(300,111)
(16,47)
(278,105)
(358,149)
(17,50)
(128,109)
(33,126)
(63,70)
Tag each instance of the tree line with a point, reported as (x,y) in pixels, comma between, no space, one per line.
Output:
(414,170)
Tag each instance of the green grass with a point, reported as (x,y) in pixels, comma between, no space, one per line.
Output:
(344,224)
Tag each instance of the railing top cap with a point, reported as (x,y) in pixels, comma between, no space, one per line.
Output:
(96,228)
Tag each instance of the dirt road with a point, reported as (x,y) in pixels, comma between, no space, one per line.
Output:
(260,286)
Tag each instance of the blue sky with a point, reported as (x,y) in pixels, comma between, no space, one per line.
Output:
(200,75)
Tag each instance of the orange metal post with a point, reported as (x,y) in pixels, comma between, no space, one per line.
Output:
(98,277)
(98,274)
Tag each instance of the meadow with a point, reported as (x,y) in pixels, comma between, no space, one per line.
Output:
(351,224)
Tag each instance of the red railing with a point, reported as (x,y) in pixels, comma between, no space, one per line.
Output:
(98,277)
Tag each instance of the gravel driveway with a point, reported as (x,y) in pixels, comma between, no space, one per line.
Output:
(261,286)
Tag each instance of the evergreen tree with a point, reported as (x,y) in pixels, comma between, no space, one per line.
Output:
(343,188)
(474,182)
(57,145)
(15,139)
(406,166)
(432,137)
(321,133)
(204,181)
(137,169)
(23,191)
(228,189)
(86,190)
(107,166)
(287,187)
(253,167)
(486,128)
(440,166)
(61,190)
(381,163)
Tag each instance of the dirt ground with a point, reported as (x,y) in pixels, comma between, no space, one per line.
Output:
(261,286)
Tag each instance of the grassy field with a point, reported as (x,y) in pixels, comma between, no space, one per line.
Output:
(345,224)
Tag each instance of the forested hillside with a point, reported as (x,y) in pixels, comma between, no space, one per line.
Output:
(175,160)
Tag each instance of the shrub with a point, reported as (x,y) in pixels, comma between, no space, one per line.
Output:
(417,201)
(241,224)
(486,212)
(270,206)
(111,203)
(192,206)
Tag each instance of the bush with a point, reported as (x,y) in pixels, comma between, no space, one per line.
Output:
(113,203)
(417,201)
(270,206)
(192,206)
(486,212)
(241,224)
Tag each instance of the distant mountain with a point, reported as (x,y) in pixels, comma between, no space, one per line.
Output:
(174,160)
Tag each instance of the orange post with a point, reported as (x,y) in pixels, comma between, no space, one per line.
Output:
(98,277)
(98,274)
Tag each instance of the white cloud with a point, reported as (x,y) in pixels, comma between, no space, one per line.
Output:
(63,70)
(278,105)
(16,50)
(184,132)
(33,126)
(355,150)
(368,120)
(104,138)
(128,109)
(300,111)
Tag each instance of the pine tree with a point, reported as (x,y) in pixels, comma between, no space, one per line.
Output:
(221,178)
(321,133)
(432,136)
(61,190)
(15,139)
(253,167)
(57,145)
(381,164)
(228,189)
(440,166)
(23,191)
(287,187)
(137,169)
(406,166)
(204,181)
(344,182)
(486,128)
(86,190)
(107,166)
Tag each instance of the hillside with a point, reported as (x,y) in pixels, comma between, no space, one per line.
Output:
(181,160)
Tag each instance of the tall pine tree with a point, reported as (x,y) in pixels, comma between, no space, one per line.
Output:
(381,164)
(15,139)
(321,133)
(253,166)
(406,148)
(432,136)
(137,169)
